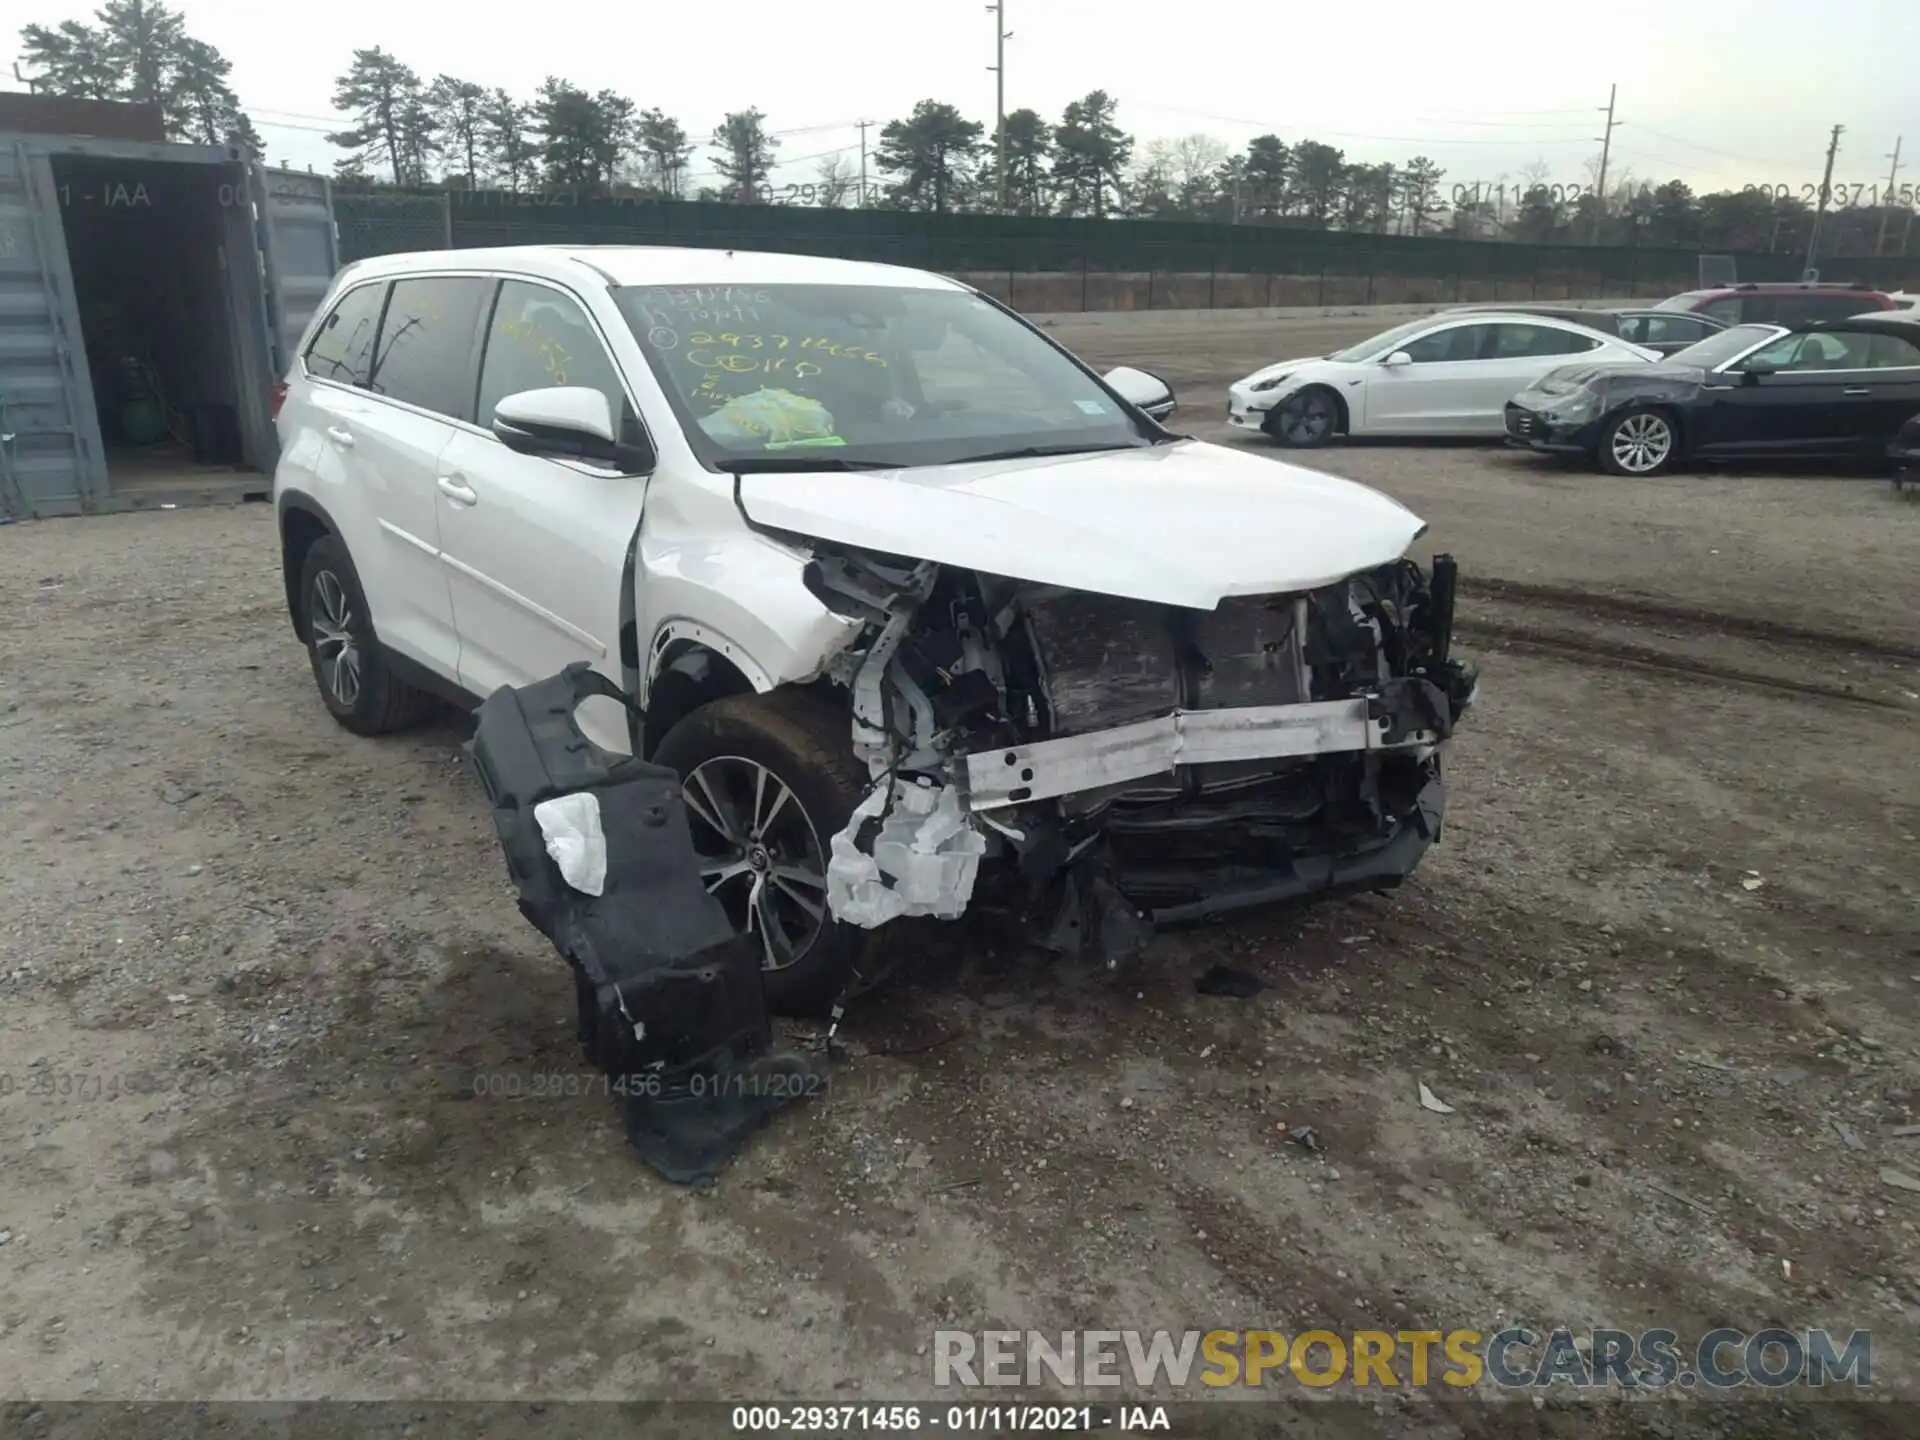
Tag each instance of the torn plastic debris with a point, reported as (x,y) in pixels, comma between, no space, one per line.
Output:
(570,824)
(924,860)
(671,1002)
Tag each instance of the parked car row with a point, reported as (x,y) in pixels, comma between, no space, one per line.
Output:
(1834,374)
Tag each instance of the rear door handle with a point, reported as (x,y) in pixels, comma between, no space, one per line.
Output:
(1857,390)
(340,436)
(456,489)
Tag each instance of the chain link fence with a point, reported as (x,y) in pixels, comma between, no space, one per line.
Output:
(1045,263)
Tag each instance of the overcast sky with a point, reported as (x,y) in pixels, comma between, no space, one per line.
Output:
(1721,93)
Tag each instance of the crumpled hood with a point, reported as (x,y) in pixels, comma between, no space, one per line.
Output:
(1182,524)
(1569,378)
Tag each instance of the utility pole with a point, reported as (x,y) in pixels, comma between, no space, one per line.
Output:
(1886,201)
(1826,192)
(1606,150)
(1000,37)
(864,126)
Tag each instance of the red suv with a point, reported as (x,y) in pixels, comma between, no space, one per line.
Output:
(1784,303)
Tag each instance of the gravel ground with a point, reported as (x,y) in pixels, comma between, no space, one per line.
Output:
(1665,968)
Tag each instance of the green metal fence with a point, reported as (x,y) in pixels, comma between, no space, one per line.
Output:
(1052,264)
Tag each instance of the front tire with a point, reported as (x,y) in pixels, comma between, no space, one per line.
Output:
(769,780)
(1639,443)
(349,667)
(1305,420)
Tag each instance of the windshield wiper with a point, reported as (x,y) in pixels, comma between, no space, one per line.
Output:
(800,464)
(1035,452)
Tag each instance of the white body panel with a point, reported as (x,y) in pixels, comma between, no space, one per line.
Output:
(1187,524)
(491,567)
(1436,397)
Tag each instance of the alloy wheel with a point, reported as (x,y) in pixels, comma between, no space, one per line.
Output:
(330,620)
(1642,443)
(1306,419)
(760,855)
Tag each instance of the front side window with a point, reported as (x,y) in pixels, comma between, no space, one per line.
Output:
(1822,350)
(539,338)
(1722,346)
(342,348)
(425,355)
(1462,342)
(865,374)
(1728,312)
(1378,347)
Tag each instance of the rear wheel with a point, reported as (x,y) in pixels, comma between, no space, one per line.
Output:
(349,667)
(769,780)
(1640,443)
(1306,419)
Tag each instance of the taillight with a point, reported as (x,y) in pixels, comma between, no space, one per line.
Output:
(276,397)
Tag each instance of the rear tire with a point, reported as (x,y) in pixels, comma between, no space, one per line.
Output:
(1305,420)
(769,781)
(349,667)
(1639,443)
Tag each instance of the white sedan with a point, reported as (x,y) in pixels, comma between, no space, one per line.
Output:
(1441,375)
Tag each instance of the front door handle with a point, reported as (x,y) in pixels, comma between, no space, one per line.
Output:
(456,489)
(340,436)
(1856,391)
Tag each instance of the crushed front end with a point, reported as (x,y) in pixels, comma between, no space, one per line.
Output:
(1137,764)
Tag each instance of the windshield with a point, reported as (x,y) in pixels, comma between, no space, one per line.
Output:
(1386,341)
(1721,347)
(856,376)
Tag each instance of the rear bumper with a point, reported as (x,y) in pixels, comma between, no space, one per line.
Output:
(1532,430)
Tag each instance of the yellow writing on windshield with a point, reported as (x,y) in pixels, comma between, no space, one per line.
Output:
(554,358)
(815,345)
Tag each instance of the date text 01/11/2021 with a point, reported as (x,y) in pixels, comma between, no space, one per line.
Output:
(959,1419)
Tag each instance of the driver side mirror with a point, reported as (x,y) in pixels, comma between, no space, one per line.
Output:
(567,422)
(1144,391)
(1397,359)
(1754,376)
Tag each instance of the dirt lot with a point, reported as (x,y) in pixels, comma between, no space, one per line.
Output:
(1665,968)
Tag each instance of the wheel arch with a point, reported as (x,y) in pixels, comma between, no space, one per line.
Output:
(1342,413)
(302,521)
(1669,409)
(689,665)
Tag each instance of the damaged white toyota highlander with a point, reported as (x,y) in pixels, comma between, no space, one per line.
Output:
(911,601)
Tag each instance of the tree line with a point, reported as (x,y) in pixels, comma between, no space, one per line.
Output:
(139,51)
(409,130)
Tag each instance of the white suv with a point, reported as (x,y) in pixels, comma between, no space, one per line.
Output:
(896,584)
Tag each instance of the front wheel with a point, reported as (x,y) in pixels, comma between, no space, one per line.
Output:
(769,780)
(1639,443)
(1305,420)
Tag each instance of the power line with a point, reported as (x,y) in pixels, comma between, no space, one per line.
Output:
(1318,130)
(1709,149)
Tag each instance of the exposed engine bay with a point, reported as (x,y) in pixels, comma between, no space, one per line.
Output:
(1126,764)
(1138,764)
